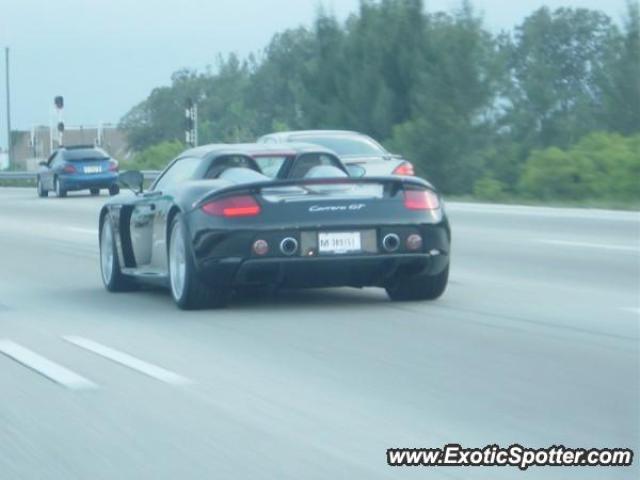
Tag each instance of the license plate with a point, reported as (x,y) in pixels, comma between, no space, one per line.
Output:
(339,242)
(93,169)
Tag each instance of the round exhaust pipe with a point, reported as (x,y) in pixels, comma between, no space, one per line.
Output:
(289,246)
(391,242)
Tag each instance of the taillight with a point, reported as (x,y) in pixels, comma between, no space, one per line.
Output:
(421,200)
(240,206)
(113,166)
(68,168)
(405,168)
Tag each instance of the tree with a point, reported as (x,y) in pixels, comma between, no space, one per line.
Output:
(277,85)
(555,61)
(621,79)
(453,101)
(475,112)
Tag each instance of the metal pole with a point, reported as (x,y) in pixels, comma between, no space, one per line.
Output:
(33,142)
(59,110)
(9,143)
(195,125)
(50,131)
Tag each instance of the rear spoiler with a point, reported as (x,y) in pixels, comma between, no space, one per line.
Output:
(391,183)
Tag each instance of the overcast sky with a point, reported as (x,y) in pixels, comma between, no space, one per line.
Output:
(105,56)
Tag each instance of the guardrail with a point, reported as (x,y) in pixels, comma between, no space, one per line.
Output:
(148,175)
(17,175)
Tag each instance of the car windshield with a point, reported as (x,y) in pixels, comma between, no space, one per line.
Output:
(344,145)
(84,154)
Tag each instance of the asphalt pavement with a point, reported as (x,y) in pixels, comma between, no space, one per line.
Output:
(536,342)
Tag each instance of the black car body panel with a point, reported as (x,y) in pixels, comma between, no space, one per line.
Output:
(305,210)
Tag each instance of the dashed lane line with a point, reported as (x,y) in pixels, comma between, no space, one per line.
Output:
(130,361)
(45,367)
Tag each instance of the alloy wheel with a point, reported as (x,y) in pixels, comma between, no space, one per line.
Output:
(177,262)
(106,252)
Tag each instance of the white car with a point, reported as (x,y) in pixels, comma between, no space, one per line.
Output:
(353,148)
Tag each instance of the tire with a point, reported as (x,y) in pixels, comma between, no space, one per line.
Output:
(187,290)
(42,193)
(95,191)
(114,190)
(418,287)
(112,277)
(60,192)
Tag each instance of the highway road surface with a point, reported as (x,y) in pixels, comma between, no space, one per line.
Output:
(535,342)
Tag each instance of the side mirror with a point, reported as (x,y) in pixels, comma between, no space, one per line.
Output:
(132,179)
(43,164)
(356,171)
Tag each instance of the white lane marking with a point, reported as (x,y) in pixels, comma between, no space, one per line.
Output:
(555,212)
(635,310)
(41,365)
(130,361)
(604,246)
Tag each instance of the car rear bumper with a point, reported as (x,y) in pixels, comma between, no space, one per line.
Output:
(226,257)
(82,182)
(334,271)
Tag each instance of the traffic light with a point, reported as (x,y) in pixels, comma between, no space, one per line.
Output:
(58,101)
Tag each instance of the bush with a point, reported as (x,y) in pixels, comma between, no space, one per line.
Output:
(599,166)
(489,189)
(616,160)
(555,174)
(155,157)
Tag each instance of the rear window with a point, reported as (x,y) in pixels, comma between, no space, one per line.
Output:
(270,165)
(343,145)
(306,162)
(84,154)
(226,162)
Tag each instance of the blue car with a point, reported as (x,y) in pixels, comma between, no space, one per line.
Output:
(81,167)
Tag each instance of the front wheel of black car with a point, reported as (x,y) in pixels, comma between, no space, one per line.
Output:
(187,290)
(418,287)
(112,277)
(41,190)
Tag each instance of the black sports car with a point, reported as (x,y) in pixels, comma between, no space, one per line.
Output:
(213,222)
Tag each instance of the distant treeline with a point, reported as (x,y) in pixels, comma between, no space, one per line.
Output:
(550,109)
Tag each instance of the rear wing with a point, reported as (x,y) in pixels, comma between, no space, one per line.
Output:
(391,185)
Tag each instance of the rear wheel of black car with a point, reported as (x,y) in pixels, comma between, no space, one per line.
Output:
(95,191)
(112,277)
(418,287)
(60,192)
(114,190)
(187,290)
(41,190)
